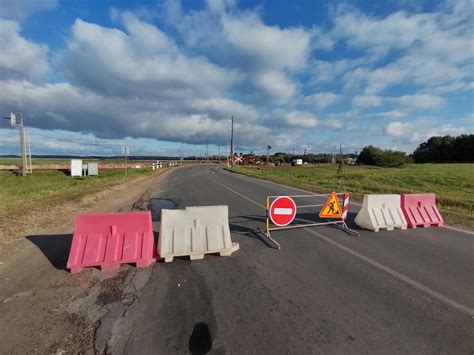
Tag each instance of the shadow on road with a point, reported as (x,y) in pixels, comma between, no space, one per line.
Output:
(238,224)
(200,341)
(54,247)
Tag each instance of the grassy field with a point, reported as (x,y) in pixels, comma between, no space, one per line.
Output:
(23,195)
(453,184)
(35,161)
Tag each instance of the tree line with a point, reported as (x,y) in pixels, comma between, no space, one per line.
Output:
(445,149)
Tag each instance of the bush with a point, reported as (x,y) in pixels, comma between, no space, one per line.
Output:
(375,156)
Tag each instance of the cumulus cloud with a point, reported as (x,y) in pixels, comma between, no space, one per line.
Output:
(267,54)
(433,46)
(141,61)
(398,129)
(178,75)
(20,58)
(296,119)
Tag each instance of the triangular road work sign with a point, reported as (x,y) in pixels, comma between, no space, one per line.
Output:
(332,208)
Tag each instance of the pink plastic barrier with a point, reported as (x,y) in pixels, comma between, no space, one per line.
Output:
(420,210)
(110,239)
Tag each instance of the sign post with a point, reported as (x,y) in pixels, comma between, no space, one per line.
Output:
(126,152)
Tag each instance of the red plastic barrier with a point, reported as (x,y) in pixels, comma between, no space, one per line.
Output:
(420,210)
(110,239)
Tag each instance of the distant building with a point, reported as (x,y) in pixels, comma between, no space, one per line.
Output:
(296,162)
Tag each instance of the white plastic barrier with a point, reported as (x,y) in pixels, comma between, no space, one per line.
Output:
(381,212)
(195,231)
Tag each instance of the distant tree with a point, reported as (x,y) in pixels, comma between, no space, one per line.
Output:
(375,156)
(445,149)
(463,148)
(369,155)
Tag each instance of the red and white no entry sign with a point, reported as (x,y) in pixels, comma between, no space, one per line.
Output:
(282,211)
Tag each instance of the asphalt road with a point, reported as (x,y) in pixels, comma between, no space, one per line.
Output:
(323,292)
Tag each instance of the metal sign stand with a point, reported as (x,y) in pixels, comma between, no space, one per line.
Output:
(126,152)
(339,223)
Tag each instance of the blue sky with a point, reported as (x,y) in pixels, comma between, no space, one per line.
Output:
(164,77)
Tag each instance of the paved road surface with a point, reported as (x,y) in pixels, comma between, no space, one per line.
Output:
(323,292)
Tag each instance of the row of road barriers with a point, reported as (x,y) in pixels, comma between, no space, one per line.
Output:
(399,211)
(159,164)
(281,212)
(107,240)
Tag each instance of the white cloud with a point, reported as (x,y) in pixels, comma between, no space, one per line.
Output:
(394,114)
(267,46)
(143,61)
(432,48)
(178,76)
(21,9)
(322,40)
(297,119)
(325,71)
(275,84)
(20,58)
(223,107)
(266,55)
(404,102)
(398,129)
(420,101)
(367,101)
(378,36)
(322,100)
(417,131)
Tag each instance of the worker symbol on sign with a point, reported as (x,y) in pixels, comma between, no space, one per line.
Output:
(332,208)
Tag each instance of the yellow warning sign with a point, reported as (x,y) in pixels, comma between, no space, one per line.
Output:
(332,208)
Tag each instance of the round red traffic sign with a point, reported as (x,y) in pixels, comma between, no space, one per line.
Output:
(282,211)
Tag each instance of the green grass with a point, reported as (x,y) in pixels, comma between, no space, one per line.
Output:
(453,184)
(41,190)
(35,161)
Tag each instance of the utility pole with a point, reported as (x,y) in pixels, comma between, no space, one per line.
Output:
(219,159)
(333,161)
(227,150)
(232,142)
(30,170)
(340,168)
(13,121)
(23,145)
(207,152)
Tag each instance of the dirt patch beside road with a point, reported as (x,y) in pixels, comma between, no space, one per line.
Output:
(45,309)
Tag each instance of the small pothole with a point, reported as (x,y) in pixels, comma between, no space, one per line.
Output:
(155,205)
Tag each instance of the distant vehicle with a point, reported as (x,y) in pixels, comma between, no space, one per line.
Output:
(296,162)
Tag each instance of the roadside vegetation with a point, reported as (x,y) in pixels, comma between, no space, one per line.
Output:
(453,184)
(34,161)
(382,157)
(20,196)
